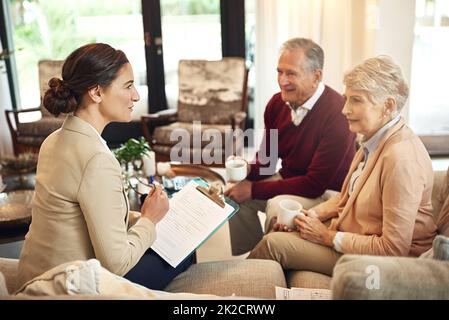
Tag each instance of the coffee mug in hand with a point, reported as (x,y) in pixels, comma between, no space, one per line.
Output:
(236,170)
(288,210)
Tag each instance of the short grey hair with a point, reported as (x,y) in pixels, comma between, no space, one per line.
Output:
(380,78)
(313,52)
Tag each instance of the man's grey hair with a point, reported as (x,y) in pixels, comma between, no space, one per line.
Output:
(380,78)
(313,52)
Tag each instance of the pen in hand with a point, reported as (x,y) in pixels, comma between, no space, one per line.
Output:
(152,190)
(155,205)
(153,184)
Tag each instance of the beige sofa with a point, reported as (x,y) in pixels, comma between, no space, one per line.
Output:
(239,278)
(399,278)
(258,278)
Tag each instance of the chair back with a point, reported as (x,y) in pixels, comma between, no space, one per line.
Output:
(47,70)
(211,91)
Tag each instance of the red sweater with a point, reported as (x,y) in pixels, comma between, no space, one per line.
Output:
(316,155)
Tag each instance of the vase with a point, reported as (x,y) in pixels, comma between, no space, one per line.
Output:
(149,163)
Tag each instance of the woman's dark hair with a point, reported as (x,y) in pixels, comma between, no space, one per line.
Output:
(86,67)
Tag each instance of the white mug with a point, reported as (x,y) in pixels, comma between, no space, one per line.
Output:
(163,168)
(288,210)
(236,170)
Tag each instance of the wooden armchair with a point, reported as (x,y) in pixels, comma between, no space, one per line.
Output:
(28,136)
(212,95)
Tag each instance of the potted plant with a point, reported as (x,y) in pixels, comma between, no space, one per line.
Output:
(130,153)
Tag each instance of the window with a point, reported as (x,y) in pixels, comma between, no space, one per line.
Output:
(50,29)
(429,107)
(190,30)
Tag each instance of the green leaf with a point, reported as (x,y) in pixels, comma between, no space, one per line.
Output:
(132,150)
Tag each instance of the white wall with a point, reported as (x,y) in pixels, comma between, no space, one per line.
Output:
(349,31)
(395,35)
(276,22)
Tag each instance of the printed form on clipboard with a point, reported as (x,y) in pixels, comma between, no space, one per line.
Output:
(192,218)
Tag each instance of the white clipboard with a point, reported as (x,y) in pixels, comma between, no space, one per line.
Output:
(192,218)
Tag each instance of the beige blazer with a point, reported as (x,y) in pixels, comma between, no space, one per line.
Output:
(390,210)
(80,209)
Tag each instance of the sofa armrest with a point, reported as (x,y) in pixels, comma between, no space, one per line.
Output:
(165,115)
(9,269)
(14,115)
(24,110)
(150,121)
(390,278)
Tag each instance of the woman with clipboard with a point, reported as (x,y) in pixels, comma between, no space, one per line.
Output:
(80,210)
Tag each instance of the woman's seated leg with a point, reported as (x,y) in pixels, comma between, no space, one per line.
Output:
(295,253)
(154,272)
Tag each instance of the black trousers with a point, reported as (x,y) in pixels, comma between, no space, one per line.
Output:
(154,272)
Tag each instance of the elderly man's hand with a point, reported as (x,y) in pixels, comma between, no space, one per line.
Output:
(240,192)
(312,229)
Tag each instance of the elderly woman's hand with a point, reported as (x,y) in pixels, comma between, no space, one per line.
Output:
(280,227)
(312,229)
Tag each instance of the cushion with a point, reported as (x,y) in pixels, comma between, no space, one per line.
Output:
(8,267)
(3,288)
(249,278)
(389,278)
(308,279)
(90,278)
(441,248)
(186,155)
(162,134)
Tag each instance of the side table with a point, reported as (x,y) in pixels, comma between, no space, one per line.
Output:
(181,170)
(11,230)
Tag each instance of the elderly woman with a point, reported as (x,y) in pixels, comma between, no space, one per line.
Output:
(384,207)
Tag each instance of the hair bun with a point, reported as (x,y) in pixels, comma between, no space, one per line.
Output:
(60,88)
(59,98)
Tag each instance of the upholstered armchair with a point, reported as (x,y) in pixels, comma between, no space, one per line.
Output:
(28,136)
(212,95)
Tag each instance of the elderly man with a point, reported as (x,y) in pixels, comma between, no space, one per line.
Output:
(314,144)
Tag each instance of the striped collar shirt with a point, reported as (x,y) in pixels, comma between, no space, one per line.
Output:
(299,114)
